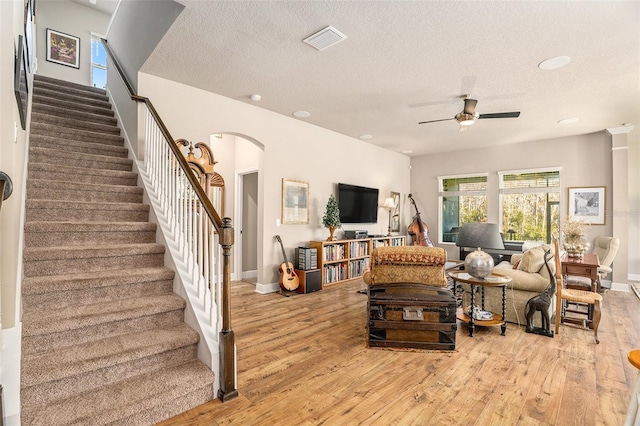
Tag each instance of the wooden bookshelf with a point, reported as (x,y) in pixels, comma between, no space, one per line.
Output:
(344,260)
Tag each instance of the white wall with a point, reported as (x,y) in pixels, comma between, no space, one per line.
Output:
(74,19)
(292,149)
(634,203)
(585,161)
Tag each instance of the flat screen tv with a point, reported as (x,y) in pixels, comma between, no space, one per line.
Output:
(357,204)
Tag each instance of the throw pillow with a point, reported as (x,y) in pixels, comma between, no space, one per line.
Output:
(533,259)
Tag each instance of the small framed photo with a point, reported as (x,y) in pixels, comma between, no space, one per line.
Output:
(63,49)
(395,213)
(588,204)
(295,202)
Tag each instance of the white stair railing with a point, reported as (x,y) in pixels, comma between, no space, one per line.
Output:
(198,239)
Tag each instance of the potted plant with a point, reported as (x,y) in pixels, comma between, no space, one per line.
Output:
(331,218)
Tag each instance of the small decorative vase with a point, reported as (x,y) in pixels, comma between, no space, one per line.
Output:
(332,229)
(478,264)
(576,246)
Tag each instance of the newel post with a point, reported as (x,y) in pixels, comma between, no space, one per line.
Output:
(227,339)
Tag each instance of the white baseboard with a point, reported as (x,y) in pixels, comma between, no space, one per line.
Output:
(620,287)
(267,288)
(634,277)
(250,274)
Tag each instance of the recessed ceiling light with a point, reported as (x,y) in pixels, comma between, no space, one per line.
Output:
(365,137)
(255,97)
(301,114)
(568,120)
(554,63)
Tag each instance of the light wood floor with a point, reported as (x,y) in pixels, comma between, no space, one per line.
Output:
(302,360)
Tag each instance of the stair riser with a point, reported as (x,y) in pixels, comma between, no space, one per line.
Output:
(74,96)
(77,147)
(72,106)
(95,238)
(56,341)
(166,411)
(76,134)
(82,196)
(48,392)
(75,124)
(74,114)
(64,159)
(78,177)
(63,299)
(33,268)
(66,86)
(86,215)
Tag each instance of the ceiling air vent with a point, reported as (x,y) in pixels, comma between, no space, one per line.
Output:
(324,38)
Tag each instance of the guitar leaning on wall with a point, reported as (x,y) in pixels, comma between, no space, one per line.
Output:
(288,278)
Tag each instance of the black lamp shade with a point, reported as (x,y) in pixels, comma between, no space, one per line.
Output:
(480,235)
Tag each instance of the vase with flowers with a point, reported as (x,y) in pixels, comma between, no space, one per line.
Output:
(575,242)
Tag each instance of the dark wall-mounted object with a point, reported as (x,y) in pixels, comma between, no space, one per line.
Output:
(20,83)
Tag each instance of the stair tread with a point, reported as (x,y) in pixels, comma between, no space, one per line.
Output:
(51,185)
(52,153)
(55,320)
(126,398)
(102,353)
(80,252)
(54,140)
(71,170)
(46,81)
(86,205)
(51,283)
(94,226)
(86,116)
(39,128)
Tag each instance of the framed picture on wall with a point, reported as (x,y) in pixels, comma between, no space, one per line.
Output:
(20,82)
(395,213)
(63,49)
(295,202)
(588,204)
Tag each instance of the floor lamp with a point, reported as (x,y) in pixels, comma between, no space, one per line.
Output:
(389,204)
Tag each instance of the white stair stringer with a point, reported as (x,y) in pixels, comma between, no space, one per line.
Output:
(208,319)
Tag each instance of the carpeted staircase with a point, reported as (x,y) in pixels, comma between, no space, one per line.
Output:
(103,338)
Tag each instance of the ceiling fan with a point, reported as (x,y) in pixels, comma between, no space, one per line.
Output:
(468,115)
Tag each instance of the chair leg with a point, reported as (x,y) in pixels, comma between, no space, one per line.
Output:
(597,314)
(558,314)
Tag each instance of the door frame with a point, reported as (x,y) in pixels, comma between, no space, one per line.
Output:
(238,206)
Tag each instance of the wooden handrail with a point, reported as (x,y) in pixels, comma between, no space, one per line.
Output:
(225,231)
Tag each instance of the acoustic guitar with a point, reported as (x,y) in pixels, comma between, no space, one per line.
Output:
(288,278)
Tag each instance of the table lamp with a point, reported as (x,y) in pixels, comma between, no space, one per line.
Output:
(479,235)
(389,204)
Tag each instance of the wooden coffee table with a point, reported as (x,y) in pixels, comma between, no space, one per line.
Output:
(493,280)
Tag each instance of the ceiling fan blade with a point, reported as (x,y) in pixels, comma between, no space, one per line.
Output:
(435,121)
(470,106)
(501,115)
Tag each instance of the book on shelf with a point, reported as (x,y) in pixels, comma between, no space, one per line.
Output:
(307,258)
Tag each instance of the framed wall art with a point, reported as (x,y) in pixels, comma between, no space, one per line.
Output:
(395,213)
(588,204)
(20,82)
(295,202)
(63,49)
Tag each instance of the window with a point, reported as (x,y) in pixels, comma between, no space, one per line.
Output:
(98,63)
(463,199)
(530,204)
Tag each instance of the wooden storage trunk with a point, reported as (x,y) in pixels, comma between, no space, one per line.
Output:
(408,315)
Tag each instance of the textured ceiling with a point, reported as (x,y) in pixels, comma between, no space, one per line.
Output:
(410,61)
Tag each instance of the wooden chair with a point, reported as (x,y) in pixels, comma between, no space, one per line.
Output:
(564,294)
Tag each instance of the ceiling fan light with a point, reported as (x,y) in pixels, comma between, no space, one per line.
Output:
(466,119)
